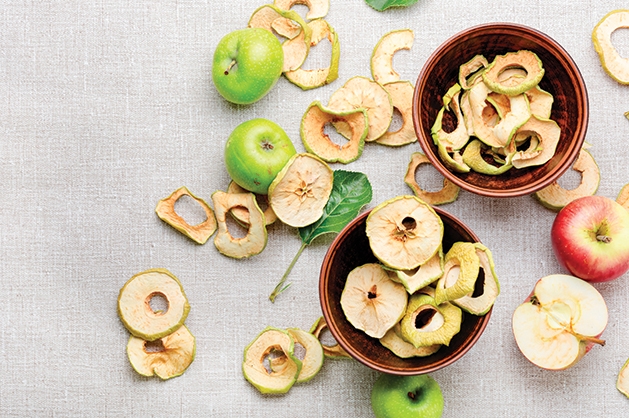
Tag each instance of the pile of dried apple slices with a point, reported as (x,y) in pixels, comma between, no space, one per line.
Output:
(413,299)
(160,344)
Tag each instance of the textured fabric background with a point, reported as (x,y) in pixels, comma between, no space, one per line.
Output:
(108,106)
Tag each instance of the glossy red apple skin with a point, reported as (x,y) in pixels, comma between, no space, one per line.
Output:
(577,238)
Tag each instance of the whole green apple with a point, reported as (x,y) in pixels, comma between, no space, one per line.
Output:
(247,64)
(255,152)
(406,396)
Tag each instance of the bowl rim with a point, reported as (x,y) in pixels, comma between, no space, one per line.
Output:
(578,139)
(343,342)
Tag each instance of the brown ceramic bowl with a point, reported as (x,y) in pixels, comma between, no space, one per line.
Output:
(351,249)
(562,79)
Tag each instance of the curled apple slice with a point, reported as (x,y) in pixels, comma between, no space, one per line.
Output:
(271,342)
(562,319)
(487,287)
(135,310)
(382,56)
(241,214)
(448,193)
(251,244)
(316,141)
(547,132)
(200,233)
(555,197)
(312,360)
(334,350)
(394,341)
(371,301)
(316,8)
(426,323)
(460,272)
(457,138)
(300,191)
(622,381)
(401,93)
(420,277)
(170,358)
(613,63)
(471,72)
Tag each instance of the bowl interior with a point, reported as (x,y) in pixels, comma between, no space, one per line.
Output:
(351,249)
(562,79)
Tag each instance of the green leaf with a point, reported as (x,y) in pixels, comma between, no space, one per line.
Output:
(381,5)
(350,192)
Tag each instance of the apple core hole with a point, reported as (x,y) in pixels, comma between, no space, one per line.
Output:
(479,285)
(319,56)
(235,229)
(190,210)
(424,317)
(335,137)
(158,303)
(156,346)
(409,223)
(397,121)
(429,178)
(273,353)
(620,41)
(299,351)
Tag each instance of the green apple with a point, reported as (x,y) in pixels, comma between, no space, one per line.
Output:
(395,396)
(247,64)
(255,152)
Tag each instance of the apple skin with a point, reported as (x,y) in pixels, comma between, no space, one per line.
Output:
(574,238)
(255,152)
(406,396)
(246,65)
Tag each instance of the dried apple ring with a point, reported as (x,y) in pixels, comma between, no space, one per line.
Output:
(456,139)
(300,191)
(313,358)
(241,214)
(316,8)
(330,351)
(523,58)
(295,48)
(613,63)
(175,355)
(199,233)
(394,341)
(382,56)
(547,132)
(316,141)
(310,79)
(472,71)
(360,92)
(555,197)
(134,304)
(401,93)
(255,240)
(449,193)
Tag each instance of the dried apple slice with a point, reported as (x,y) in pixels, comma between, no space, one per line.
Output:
(555,197)
(241,214)
(460,272)
(360,92)
(169,359)
(613,63)
(316,141)
(382,56)
(316,8)
(404,232)
(313,356)
(527,60)
(401,93)
(371,301)
(456,139)
(540,102)
(471,72)
(269,342)
(561,320)
(251,244)
(334,351)
(622,381)
(200,233)
(394,341)
(425,323)
(623,196)
(422,276)
(473,157)
(310,79)
(548,132)
(296,48)
(300,191)
(449,193)
(480,302)
(134,304)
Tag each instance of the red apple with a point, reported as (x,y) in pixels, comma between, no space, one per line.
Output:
(590,238)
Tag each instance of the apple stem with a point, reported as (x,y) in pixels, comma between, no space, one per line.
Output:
(604,238)
(280,286)
(231,65)
(590,339)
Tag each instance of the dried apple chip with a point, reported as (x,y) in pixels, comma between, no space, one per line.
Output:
(310,79)
(401,93)
(316,141)
(200,233)
(382,56)
(527,60)
(555,197)
(300,191)
(316,8)
(613,63)
(171,358)
(472,71)
(394,341)
(623,196)
(330,350)
(255,240)
(449,193)
(241,214)
(313,357)
(134,304)
(360,92)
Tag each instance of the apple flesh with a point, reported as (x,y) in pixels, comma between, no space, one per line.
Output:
(255,152)
(590,238)
(560,321)
(246,65)
(395,396)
